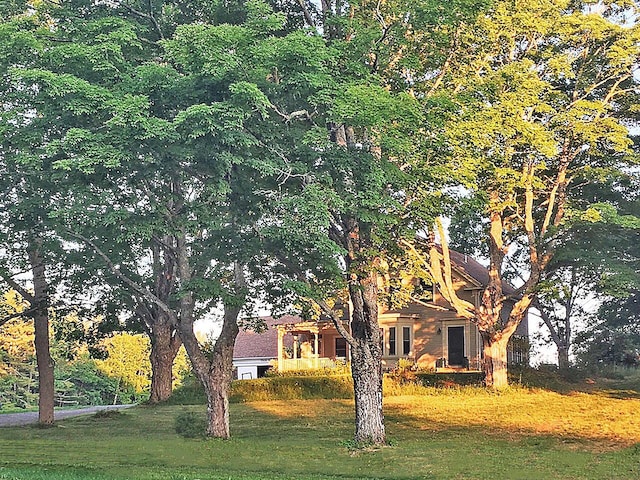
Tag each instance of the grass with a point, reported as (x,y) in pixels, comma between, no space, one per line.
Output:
(460,433)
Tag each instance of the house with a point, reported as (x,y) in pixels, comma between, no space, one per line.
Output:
(428,333)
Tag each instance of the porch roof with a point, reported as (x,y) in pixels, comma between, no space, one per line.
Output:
(250,344)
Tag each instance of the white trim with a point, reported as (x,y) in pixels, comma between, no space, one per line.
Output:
(445,336)
(409,353)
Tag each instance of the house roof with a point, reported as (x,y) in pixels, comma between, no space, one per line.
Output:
(475,270)
(250,344)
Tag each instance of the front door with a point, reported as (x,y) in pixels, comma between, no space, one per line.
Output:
(455,345)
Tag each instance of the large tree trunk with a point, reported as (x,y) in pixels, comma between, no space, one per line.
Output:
(165,340)
(215,374)
(46,389)
(367,387)
(495,360)
(221,375)
(563,357)
(366,365)
(164,348)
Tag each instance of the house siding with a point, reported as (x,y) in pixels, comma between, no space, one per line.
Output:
(428,325)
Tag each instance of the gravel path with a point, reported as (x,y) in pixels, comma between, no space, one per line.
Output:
(27,418)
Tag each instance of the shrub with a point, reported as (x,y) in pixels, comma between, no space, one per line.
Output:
(299,387)
(337,369)
(447,380)
(190,425)
(190,392)
(107,414)
(292,388)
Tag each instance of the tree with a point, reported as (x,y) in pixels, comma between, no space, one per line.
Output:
(540,94)
(347,197)
(62,141)
(596,258)
(128,361)
(43,105)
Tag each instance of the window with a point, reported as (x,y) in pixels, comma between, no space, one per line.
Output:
(392,340)
(406,340)
(341,347)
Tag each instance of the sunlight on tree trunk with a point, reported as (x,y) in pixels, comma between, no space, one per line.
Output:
(367,386)
(366,361)
(495,361)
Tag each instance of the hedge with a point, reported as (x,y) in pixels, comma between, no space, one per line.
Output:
(329,386)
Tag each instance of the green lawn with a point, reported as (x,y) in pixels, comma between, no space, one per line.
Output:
(471,433)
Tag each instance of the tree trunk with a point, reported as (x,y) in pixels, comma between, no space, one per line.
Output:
(366,365)
(367,387)
(495,361)
(215,374)
(46,388)
(164,348)
(563,357)
(220,376)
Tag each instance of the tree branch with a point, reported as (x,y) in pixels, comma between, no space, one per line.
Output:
(18,288)
(139,289)
(24,313)
(148,16)
(307,14)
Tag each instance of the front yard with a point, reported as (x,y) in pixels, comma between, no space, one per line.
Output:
(457,433)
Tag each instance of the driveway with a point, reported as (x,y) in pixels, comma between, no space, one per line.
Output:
(27,418)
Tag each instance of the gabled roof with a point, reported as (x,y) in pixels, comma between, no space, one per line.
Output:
(474,270)
(250,344)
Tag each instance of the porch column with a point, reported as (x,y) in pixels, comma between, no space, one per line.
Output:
(295,347)
(315,349)
(280,346)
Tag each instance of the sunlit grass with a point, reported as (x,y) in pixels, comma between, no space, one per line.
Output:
(457,433)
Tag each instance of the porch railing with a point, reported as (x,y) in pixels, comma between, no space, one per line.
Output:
(306,363)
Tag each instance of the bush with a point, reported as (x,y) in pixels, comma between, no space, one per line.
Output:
(190,392)
(337,369)
(83,381)
(108,414)
(298,387)
(190,425)
(292,388)
(449,379)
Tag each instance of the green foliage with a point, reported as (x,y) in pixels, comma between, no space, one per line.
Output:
(289,388)
(189,392)
(271,388)
(128,361)
(440,379)
(338,369)
(80,382)
(189,424)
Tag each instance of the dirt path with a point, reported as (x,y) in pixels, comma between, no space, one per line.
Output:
(27,418)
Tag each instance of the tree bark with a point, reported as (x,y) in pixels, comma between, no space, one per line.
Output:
(165,340)
(46,388)
(164,348)
(215,374)
(366,365)
(220,376)
(495,360)
(563,357)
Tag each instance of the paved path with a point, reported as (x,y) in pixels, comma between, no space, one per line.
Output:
(26,418)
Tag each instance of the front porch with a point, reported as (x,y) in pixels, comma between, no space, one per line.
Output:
(313,363)
(315,345)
